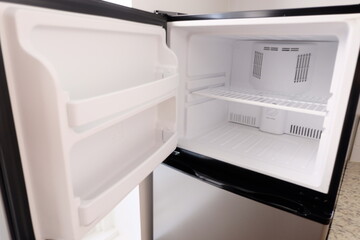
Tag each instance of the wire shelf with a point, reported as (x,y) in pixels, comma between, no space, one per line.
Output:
(309,105)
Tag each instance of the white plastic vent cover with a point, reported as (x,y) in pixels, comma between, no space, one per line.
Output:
(242,119)
(282,67)
(304,131)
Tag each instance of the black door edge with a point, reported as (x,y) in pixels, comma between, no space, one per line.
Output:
(98,8)
(291,12)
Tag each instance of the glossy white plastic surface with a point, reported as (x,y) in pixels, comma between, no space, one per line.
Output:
(94,102)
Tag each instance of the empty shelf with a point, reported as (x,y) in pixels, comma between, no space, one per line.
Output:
(81,112)
(315,106)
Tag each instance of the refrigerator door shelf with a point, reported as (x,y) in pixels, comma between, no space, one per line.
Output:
(94,106)
(90,210)
(82,112)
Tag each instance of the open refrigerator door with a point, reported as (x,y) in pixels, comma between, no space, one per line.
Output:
(94,105)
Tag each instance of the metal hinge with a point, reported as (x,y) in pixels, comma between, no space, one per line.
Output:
(168,13)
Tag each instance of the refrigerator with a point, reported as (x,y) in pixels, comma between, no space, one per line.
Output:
(249,108)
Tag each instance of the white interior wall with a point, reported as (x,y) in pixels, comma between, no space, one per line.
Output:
(238,5)
(183,6)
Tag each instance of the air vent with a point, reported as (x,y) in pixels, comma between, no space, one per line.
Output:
(242,119)
(271,49)
(258,59)
(302,68)
(294,49)
(305,131)
(285,49)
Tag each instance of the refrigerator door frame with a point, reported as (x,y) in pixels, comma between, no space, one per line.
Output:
(11,178)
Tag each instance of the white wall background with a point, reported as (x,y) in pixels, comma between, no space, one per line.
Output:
(237,5)
(184,6)
(212,6)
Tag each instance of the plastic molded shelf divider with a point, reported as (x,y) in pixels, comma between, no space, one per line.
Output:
(85,111)
(260,98)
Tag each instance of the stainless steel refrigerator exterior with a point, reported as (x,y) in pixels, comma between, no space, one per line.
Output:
(188,208)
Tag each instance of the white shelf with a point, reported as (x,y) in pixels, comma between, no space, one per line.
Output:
(85,111)
(309,105)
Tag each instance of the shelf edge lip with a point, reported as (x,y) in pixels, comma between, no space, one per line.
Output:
(262,104)
(85,111)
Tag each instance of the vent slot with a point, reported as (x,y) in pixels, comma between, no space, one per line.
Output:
(274,49)
(285,49)
(305,131)
(294,49)
(242,119)
(302,68)
(258,59)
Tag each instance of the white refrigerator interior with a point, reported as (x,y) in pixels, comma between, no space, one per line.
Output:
(94,109)
(267,94)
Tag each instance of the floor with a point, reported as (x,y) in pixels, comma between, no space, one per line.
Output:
(346,223)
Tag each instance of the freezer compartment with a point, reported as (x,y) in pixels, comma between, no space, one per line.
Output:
(264,95)
(95,111)
(267,116)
